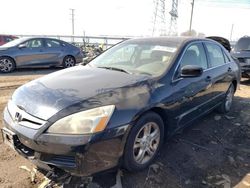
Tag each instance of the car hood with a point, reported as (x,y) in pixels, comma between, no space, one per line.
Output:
(224,42)
(46,96)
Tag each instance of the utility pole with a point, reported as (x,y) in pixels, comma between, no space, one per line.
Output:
(73,22)
(191,19)
(231,34)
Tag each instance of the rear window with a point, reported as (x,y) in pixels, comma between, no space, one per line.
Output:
(243,44)
(215,54)
(52,43)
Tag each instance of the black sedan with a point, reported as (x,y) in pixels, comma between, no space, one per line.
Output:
(38,52)
(118,109)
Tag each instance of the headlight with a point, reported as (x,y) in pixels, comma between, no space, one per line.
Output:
(85,122)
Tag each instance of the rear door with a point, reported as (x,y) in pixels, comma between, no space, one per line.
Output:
(54,50)
(32,53)
(191,94)
(221,70)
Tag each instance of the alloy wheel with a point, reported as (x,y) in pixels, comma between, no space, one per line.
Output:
(146,143)
(6,65)
(69,62)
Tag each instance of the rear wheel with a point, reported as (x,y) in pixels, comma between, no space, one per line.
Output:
(7,64)
(143,142)
(69,61)
(227,103)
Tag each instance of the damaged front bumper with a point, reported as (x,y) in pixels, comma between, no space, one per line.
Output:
(80,155)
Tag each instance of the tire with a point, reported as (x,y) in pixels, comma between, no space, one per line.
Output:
(69,61)
(7,64)
(139,142)
(227,102)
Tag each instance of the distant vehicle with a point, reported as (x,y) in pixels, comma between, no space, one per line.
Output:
(241,51)
(119,109)
(6,38)
(38,52)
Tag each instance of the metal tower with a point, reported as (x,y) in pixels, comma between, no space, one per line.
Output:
(159,18)
(174,15)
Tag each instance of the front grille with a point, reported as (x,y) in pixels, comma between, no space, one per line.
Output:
(60,160)
(20,117)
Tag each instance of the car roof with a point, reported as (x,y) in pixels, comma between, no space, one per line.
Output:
(176,40)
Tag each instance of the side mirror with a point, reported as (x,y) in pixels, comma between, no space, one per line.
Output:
(22,46)
(191,71)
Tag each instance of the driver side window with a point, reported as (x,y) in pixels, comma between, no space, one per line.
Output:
(195,55)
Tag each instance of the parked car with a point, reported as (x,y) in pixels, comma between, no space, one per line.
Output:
(6,38)
(118,109)
(38,52)
(241,52)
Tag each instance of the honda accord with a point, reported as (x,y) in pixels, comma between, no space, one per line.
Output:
(118,110)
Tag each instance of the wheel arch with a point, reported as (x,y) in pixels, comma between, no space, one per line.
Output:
(13,59)
(235,84)
(69,55)
(161,112)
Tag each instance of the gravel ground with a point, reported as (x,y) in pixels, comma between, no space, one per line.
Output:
(213,152)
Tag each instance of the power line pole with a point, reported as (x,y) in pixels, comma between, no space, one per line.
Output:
(174,16)
(73,22)
(191,19)
(159,18)
(231,34)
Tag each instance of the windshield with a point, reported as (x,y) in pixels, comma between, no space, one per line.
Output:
(14,42)
(243,44)
(138,57)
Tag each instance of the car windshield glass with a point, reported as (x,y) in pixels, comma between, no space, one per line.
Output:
(137,57)
(14,42)
(243,44)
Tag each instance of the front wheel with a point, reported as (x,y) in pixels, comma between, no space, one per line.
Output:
(7,64)
(143,142)
(69,61)
(227,102)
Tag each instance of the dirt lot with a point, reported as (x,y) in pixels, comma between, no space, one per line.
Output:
(213,152)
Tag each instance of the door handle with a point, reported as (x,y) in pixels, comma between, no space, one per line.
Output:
(208,79)
(229,69)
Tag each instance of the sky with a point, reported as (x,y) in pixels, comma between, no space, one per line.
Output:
(121,17)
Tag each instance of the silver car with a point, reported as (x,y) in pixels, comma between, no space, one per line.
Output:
(38,52)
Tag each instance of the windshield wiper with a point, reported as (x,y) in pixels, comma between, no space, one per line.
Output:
(245,49)
(115,69)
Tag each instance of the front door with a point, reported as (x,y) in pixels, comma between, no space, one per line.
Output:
(31,53)
(191,93)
